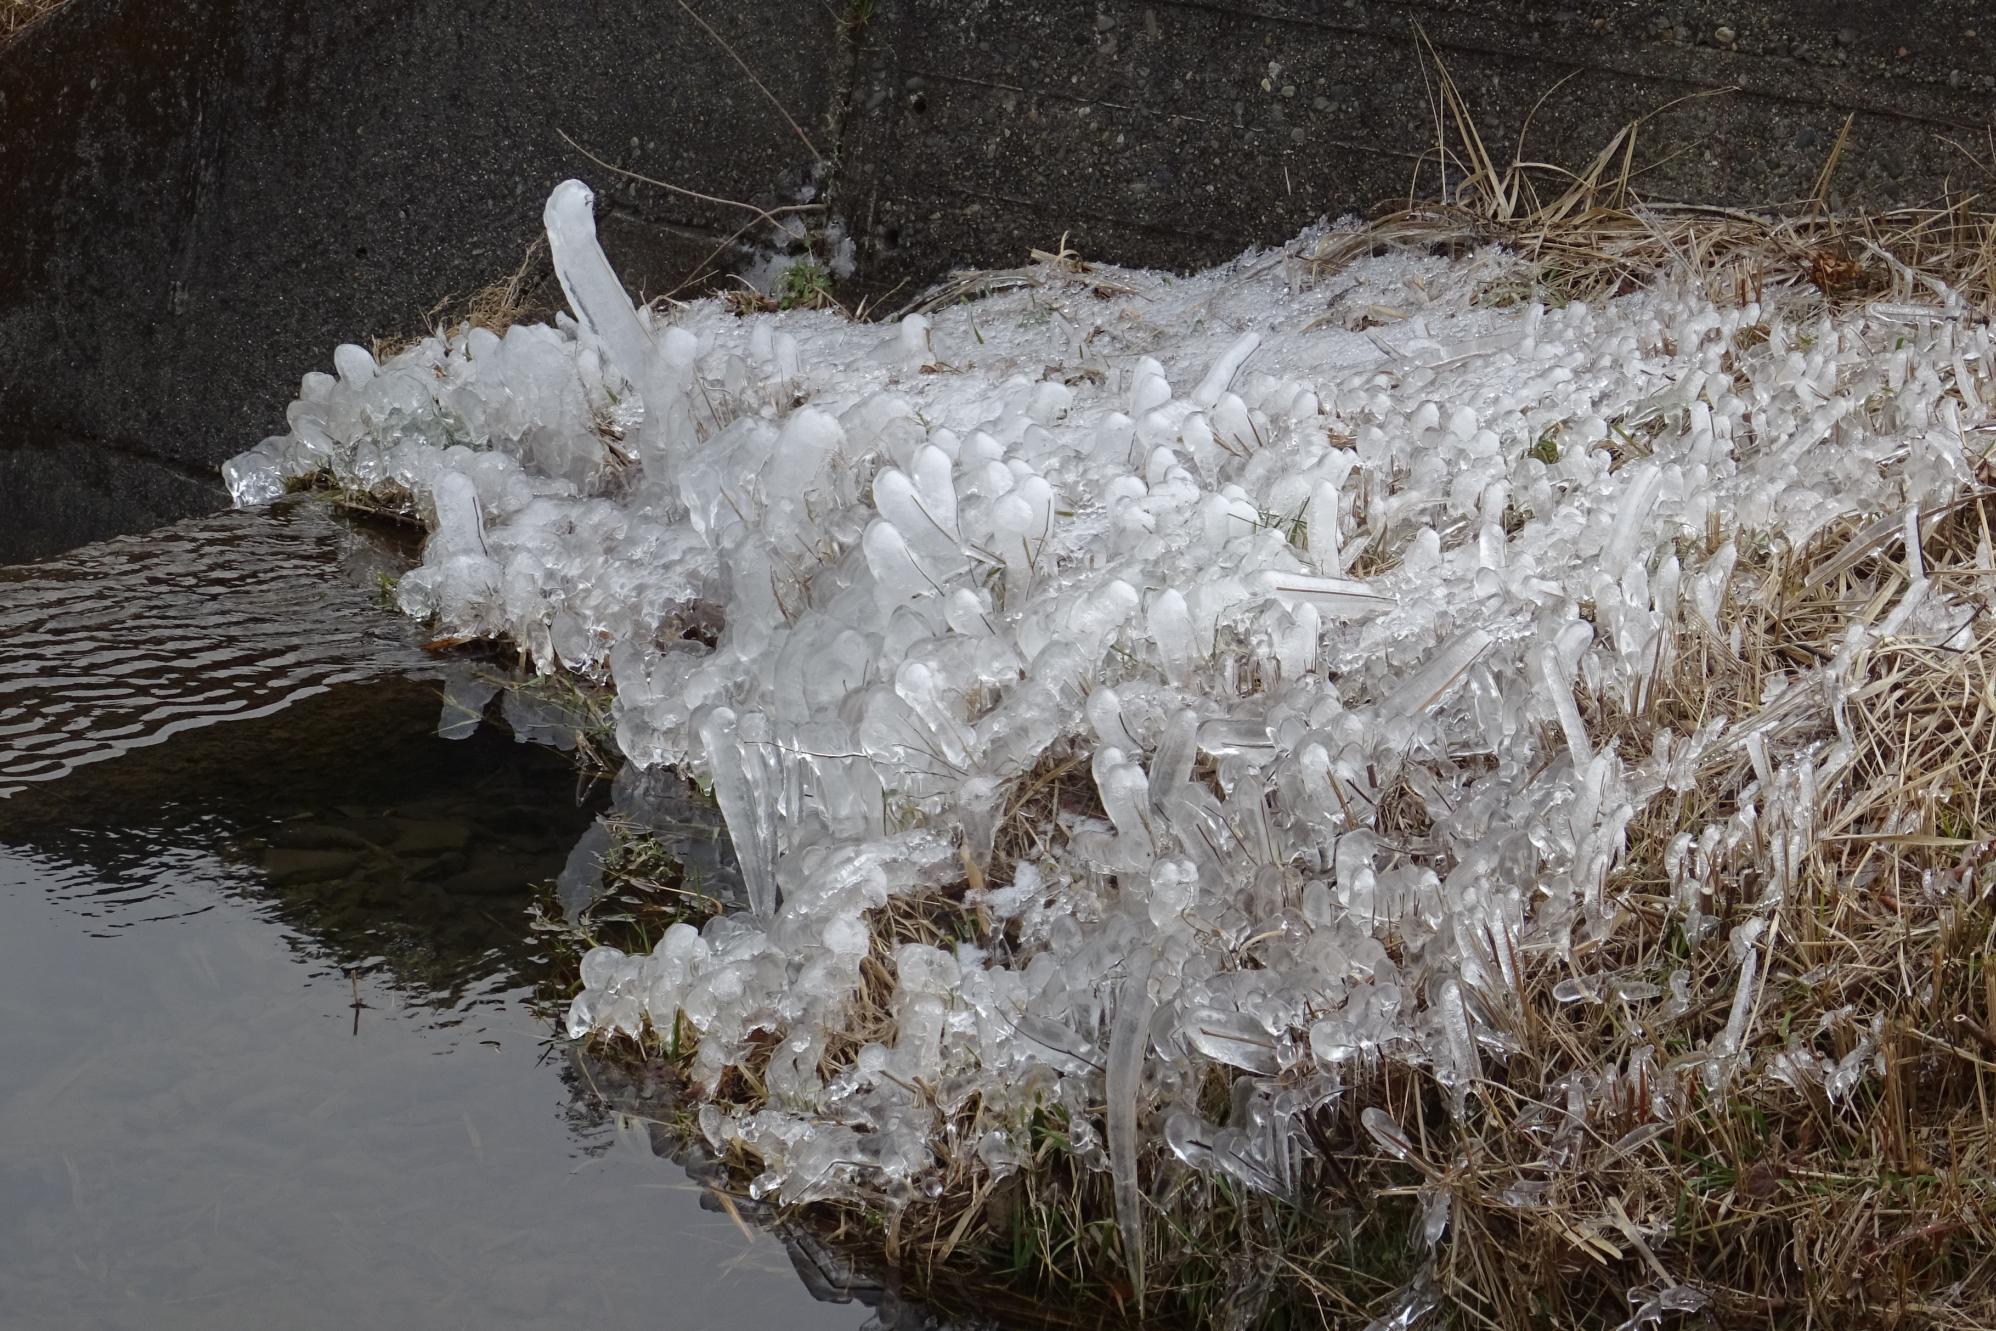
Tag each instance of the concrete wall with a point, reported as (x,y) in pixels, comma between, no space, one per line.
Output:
(1177,132)
(197,202)
(202,200)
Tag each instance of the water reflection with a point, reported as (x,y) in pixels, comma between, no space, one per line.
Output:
(342,819)
(271,1060)
(126,644)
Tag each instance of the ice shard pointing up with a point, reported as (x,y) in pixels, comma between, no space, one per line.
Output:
(590,284)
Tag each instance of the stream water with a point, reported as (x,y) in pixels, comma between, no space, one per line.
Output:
(269,1048)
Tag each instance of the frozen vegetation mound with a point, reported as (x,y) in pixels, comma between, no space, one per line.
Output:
(1279,664)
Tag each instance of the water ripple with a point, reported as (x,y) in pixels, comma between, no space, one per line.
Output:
(123,644)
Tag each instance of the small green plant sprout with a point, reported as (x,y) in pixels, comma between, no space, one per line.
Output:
(805,285)
(1546,447)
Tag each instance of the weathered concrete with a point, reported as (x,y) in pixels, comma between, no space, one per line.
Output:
(1175,134)
(202,200)
(57,494)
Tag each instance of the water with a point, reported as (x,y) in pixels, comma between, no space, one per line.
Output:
(267,981)
(130,642)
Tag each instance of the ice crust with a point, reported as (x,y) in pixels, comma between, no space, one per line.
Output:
(1308,601)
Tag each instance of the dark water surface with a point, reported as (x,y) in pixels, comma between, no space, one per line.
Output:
(244,825)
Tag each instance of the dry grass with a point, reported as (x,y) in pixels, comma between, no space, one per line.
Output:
(1838,1169)
(15,15)
(1869,1207)
(1612,244)
(1059,266)
(1803,1204)
(1587,234)
(497,306)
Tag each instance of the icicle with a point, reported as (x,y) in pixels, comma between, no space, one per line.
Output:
(1409,1307)
(1170,627)
(1320,531)
(1459,1042)
(1340,598)
(1556,687)
(1233,1038)
(1171,765)
(900,501)
(1383,1129)
(1217,379)
(749,813)
(1434,1213)
(1651,1306)
(589,283)
(1129,1039)
(1437,676)
(1190,1138)
(1631,513)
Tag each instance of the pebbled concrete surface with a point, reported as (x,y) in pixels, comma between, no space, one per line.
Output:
(201,201)
(59,493)
(1177,133)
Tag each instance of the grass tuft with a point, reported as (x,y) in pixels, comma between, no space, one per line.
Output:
(496,306)
(16,15)
(1841,1170)
(1589,235)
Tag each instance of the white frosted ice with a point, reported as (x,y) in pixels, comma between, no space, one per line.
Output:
(592,288)
(1254,575)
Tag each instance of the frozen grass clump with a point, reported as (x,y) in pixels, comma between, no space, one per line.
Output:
(1215,752)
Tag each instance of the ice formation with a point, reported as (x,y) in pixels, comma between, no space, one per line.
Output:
(1311,602)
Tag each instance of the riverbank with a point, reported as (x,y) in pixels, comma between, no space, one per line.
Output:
(1437,770)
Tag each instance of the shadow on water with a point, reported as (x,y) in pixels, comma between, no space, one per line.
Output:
(268,990)
(343,818)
